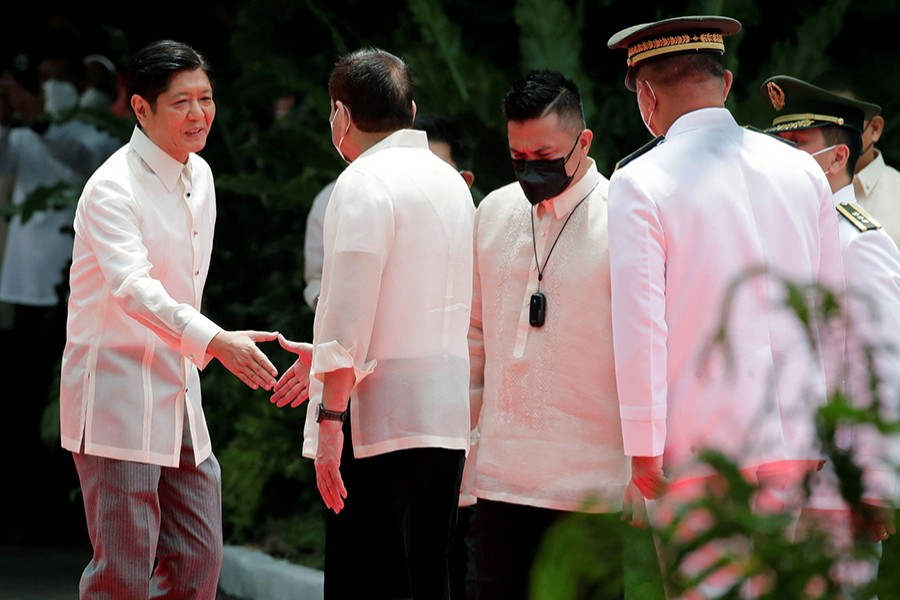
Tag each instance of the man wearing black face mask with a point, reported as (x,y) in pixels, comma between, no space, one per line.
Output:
(543,388)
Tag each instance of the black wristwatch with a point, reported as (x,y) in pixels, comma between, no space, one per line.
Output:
(323,414)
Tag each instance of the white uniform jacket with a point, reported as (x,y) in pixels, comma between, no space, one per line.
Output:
(709,205)
(872,270)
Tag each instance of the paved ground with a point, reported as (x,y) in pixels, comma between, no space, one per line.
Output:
(45,573)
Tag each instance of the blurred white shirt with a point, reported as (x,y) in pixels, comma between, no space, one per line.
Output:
(313,249)
(38,249)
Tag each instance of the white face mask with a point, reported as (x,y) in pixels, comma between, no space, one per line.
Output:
(650,118)
(341,140)
(59,96)
(823,150)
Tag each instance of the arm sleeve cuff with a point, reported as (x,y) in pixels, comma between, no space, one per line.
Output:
(644,438)
(331,356)
(197,335)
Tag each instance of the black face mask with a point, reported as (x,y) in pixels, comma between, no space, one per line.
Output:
(542,179)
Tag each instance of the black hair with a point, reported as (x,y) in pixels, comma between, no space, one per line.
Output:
(377,87)
(834,135)
(154,66)
(671,68)
(541,92)
(442,129)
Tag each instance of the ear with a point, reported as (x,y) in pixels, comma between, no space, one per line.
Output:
(469,177)
(841,156)
(585,140)
(877,127)
(341,112)
(140,108)
(414,115)
(729,80)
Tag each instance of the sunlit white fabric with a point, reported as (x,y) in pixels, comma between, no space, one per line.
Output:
(687,220)
(550,434)
(135,335)
(396,296)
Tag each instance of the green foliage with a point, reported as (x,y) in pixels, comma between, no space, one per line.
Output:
(54,197)
(765,550)
(269,495)
(550,38)
(571,562)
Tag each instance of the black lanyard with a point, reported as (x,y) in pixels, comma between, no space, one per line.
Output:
(540,269)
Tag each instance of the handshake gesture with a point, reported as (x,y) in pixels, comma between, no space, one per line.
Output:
(293,387)
(237,351)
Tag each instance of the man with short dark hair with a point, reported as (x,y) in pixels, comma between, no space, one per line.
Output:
(703,207)
(445,138)
(130,405)
(389,421)
(542,387)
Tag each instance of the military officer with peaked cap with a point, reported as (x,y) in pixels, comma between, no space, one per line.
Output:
(829,127)
(707,203)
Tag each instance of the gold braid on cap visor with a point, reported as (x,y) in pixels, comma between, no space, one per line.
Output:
(802,121)
(674,43)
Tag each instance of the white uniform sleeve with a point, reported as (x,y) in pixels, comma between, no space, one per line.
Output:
(637,253)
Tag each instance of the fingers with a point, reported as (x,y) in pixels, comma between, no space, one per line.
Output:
(288,344)
(294,394)
(633,508)
(331,487)
(651,487)
(262,373)
(303,350)
(292,388)
(262,362)
(263,336)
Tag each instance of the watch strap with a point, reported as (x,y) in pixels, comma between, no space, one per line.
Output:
(323,414)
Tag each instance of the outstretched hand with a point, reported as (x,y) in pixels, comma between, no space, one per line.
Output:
(293,387)
(237,351)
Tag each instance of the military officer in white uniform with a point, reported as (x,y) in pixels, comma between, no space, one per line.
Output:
(707,204)
(830,127)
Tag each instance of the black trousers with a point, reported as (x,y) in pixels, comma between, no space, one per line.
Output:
(509,536)
(393,536)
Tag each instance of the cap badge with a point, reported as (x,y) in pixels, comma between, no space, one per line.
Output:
(776,95)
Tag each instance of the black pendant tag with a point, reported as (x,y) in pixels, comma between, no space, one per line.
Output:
(538,310)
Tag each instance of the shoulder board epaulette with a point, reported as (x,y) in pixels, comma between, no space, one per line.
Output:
(642,150)
(771,135)
(857,216)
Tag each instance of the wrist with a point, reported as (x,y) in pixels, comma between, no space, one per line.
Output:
(325,415)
